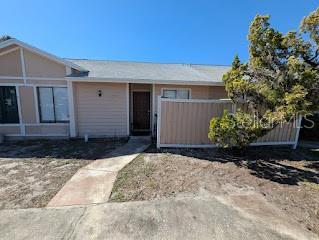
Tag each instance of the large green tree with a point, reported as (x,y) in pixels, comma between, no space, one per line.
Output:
(281,75)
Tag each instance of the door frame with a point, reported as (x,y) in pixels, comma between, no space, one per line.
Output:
(132,108)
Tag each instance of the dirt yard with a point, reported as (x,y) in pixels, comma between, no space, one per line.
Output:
(286,178)
(32,172)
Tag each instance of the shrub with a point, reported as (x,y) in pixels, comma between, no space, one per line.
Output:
(234,130)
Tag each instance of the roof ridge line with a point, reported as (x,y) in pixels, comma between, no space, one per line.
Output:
(147,62)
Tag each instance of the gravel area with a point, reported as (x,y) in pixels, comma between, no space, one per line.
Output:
(288,179)
(32,172)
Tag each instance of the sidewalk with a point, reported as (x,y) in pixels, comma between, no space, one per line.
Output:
(94,182)
(189,218)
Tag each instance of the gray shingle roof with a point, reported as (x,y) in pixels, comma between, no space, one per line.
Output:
(153,71)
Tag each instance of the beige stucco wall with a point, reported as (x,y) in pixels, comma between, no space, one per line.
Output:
(11,81)
(217,92)
(38,66)
(47,82)
(35,65)
(48,130)
(9,129)
(10,64)
(8,48)
(197,92)
(101,116)
(27,103)
(140,87)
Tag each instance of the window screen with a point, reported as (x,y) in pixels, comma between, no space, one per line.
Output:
(53,104)
(176,93)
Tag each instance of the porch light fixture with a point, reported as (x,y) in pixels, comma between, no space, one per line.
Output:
(99,92)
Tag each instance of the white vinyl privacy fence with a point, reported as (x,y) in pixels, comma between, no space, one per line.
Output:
(185,123)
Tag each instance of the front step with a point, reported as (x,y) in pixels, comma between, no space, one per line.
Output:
(141,138)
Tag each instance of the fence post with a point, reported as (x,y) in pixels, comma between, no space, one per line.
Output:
(158,140)
(234,108)
(298,124)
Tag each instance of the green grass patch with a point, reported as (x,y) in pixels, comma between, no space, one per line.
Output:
(131,178)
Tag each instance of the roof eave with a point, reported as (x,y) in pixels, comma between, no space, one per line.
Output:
(145,81)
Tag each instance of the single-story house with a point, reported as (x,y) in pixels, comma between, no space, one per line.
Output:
(42,95)
(45,95)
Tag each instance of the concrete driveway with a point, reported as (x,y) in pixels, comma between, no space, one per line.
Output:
(186,218)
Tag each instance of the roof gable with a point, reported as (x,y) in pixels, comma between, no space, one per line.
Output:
(38,51)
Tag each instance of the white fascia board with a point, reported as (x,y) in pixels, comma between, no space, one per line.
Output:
(196,100)
(40,52)
(144,81)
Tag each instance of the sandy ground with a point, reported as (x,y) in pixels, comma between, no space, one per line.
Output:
(286,179)
(32,172)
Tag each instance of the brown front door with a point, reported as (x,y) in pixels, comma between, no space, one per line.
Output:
(141,111)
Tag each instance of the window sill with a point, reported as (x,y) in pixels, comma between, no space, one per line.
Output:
(51,123)
(10,124)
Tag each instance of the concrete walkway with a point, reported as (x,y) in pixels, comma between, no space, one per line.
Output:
(188,218)
(94,182)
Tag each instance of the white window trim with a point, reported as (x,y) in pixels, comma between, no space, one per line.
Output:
(36,103)
(22,126)
(159,111)
(176,89)
(24,74)
(37,123)
(153,108)
(38,109)
(128,109)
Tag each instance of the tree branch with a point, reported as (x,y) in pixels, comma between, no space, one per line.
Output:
(311,61)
